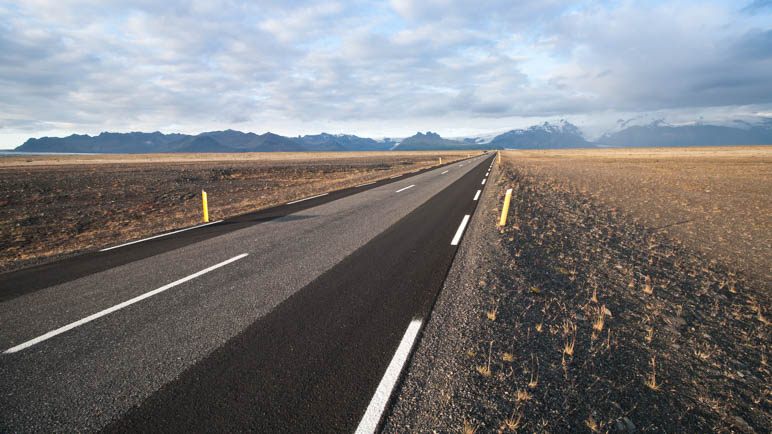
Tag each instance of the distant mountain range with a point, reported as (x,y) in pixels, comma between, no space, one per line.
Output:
(559,135)
(660,134)
(213,141)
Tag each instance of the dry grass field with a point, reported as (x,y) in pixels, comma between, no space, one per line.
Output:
(633,293)
(55,205)
(716,200)
(628,292)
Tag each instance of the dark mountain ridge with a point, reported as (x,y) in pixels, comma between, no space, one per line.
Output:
(429,141)
(559,135)
(213,141)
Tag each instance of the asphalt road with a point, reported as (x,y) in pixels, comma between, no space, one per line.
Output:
(301,323)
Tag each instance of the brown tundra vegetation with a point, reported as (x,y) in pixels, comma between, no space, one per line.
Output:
(629,291)
(652,269)
(51,206)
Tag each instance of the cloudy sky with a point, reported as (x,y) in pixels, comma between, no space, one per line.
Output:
(380,69)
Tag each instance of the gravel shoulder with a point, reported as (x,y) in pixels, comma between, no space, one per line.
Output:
(580,317)
(427,398)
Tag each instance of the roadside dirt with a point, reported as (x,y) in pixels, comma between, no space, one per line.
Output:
(584,316)
(52,206)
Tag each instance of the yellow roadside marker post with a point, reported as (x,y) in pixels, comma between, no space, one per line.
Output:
(205,206)
(440,160)
(505,210)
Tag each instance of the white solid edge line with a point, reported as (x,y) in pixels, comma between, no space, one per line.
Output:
(444,172)
(477,195)
(119,306)
(307,198)
(366,183)
(403,189)
(372,416)
(460,231)
(483,182)
(159,236)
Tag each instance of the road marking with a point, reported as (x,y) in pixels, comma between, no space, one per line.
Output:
(119,306)
(483,182)
(395,176)
(366,183)
(477,195)
(159,236)
(403,189)
(444,172)
(372,416)
(460,231)
(307,198)
(460,165)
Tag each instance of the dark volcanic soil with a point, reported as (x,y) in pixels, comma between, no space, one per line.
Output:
(585,320)
(47,211)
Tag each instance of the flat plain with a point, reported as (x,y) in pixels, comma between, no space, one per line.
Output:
(716,200)
(629,291)
(55,205)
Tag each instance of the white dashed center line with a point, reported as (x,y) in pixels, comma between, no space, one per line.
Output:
(477,195)
(403,189)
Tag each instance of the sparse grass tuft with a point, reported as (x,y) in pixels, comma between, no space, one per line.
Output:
(485,370)
(600,321)
(508,357)
(469,428)
(534,374)
(702,354)
(569,330)
(522,395)
(761,316)
(592,424)
(491,314)
(513,423)
(651,379)
(649,334)
(647,288)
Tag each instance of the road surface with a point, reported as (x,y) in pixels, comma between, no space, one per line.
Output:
(294,319)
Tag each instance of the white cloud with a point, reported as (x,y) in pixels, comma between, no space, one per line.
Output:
(372,68)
